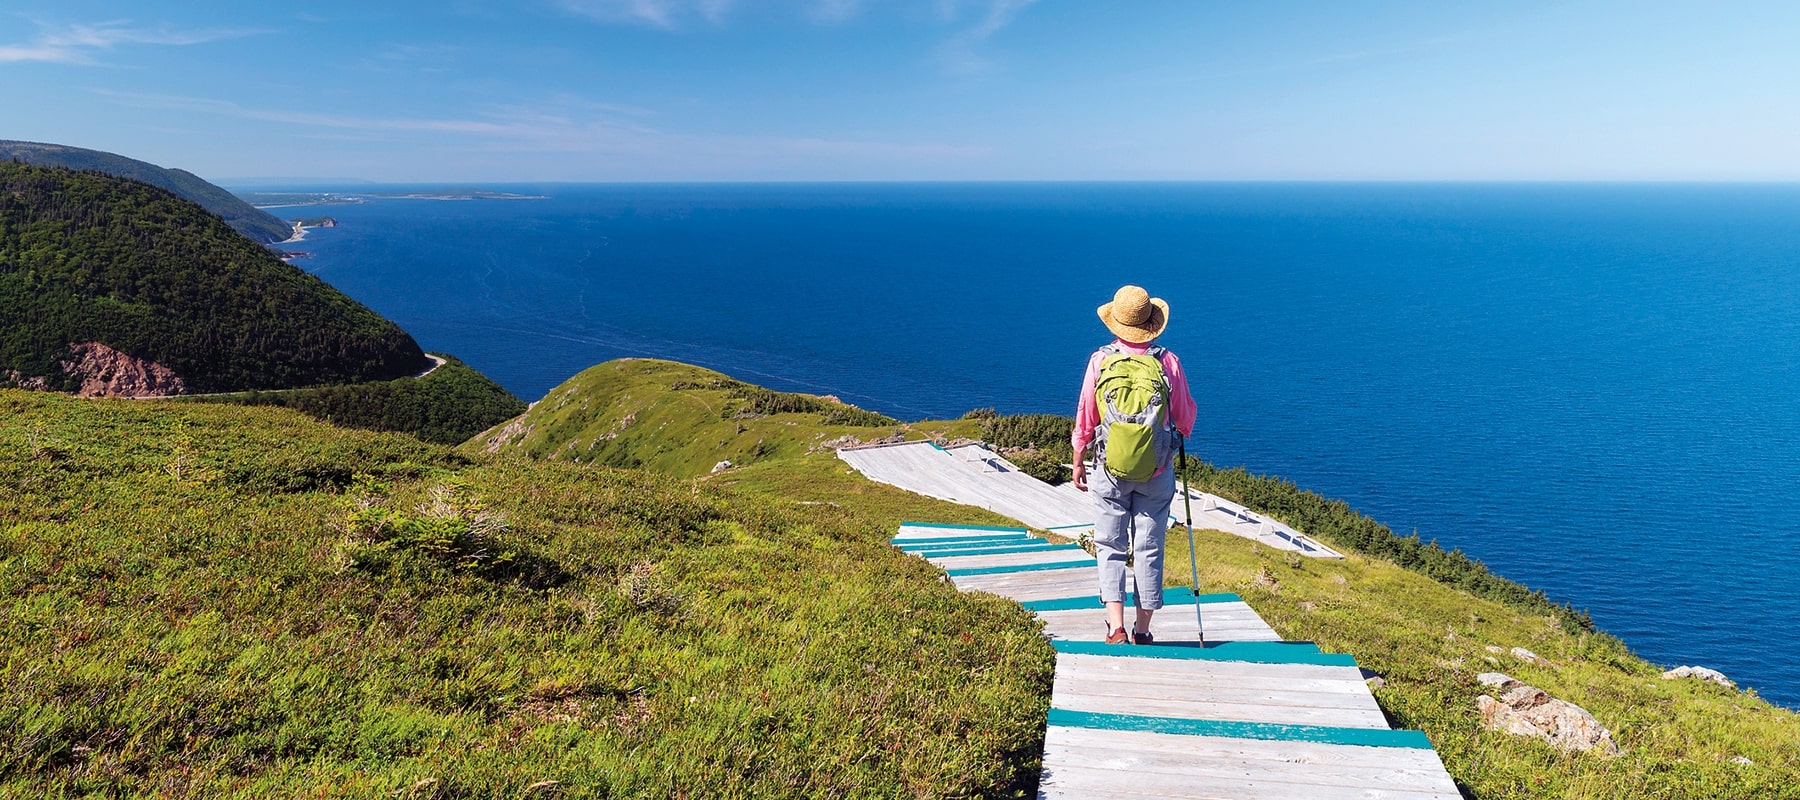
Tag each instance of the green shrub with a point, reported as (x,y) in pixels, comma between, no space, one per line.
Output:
(756,401)
(451,404)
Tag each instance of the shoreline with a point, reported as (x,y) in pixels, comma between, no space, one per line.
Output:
(300,229)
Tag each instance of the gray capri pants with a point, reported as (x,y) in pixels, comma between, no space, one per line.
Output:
(1118,503)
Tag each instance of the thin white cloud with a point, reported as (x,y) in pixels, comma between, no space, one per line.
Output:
(665,14)
(569,125)
(833,12)
(230,109)
(961,55)
(77,44)
(674,14)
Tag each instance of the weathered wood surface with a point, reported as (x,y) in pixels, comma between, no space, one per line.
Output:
(1044,585)
(971,475)
(1088,763)
(1012,559)
(974,475)
(1274,693)
(1227,715)
(1225,622)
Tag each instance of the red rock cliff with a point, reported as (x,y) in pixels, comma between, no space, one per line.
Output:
(105,372)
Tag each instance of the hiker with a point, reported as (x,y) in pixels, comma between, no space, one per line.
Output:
(1134,479)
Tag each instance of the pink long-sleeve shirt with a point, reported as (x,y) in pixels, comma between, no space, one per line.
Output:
(1087,410)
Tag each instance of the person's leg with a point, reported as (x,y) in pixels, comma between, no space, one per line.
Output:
(1112,518)
(1150,512)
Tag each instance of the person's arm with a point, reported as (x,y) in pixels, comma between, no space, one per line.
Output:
(1182,410)
(1087,416)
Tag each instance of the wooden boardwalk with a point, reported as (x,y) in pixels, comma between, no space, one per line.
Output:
(973,475)
(1246,715)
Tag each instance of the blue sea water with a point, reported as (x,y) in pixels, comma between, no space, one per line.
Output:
(1591,388)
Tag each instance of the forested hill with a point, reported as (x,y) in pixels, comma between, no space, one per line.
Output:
(91,258)
(246,219)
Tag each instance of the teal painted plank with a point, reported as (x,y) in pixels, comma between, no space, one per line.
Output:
(1066,527)
(1322,734)
(926,547)
(961,527)
(958,573)
(913,544)
(1172,596)
(1248,652)
(995,551)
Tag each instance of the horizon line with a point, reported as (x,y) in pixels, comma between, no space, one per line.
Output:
(1033,181)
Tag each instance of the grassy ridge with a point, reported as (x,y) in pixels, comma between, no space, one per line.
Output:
(677,419)
(1428,637)
(448,406)
(203,601)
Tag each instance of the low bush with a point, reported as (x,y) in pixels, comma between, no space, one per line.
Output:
(448,406)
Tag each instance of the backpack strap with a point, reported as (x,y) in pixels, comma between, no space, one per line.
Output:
(1156,350)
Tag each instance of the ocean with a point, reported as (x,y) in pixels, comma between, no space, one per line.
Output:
(1591,388)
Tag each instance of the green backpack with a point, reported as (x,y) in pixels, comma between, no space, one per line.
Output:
(1134,435)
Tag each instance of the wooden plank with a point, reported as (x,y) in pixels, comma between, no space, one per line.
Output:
(1201,696)
(1166,631)
(1201,685)
(1007,559)
(1286,751)
(927,536)
(1172,595)
(1174,623)
(917,543)
(1252,652)
(915,526)
(1285,768)
(1104,669)
(926,549)
(1231,781)
(1235,729)
(1033,586)
(1272,707)
(1170,616)
(1030,546)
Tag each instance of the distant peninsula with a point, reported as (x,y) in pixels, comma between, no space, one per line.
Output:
(267,200)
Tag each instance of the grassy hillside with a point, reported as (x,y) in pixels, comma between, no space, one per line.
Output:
(447,406)
(1425,635)
(258,225)
(89,257)
(208,601)
(677,419)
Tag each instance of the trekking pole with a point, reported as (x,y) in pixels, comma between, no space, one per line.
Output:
(1187,505)
(1137,596)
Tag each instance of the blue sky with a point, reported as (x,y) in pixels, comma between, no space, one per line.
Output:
(736,90)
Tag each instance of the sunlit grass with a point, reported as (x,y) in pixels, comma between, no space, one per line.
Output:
(219,633)
(199,602)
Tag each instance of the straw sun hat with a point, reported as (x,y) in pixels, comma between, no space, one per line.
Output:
(1135,316)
